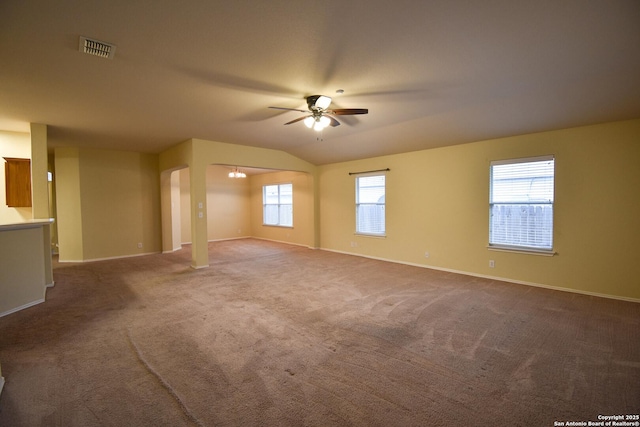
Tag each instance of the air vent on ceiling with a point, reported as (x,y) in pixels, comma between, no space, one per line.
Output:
(97,48)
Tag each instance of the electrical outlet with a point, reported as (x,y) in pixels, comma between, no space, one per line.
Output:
(139,245)
(492,263)
(426,254)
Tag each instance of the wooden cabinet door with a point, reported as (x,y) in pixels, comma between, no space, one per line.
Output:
(17,174)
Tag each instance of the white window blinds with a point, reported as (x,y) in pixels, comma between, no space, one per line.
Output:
(521,203)
(278,204)
(370,205)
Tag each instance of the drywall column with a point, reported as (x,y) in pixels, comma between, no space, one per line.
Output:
(176,218)
(166,203)
(315,176)
(170,206)
(39,178)
(40,189)
(199,240)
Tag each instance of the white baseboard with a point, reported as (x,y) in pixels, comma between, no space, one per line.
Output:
(172,250)
(283,241)
(22,307)
(108,258)
(229,238)
(502,279)
(209,241)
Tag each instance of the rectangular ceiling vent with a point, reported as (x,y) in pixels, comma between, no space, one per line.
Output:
(97,48)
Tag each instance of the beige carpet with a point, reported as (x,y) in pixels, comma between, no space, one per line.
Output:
(279,335)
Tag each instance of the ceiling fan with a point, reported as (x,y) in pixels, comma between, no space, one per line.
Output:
(321,116)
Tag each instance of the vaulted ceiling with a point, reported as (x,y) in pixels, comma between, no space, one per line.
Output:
(431,73)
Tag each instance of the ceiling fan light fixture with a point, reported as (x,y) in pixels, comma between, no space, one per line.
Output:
(321,122)
(323,102)
(320,115)
(309,122)
(325,121)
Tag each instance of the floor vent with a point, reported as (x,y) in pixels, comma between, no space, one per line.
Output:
(97,48)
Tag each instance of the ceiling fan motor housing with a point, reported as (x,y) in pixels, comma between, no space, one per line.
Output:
(318,102)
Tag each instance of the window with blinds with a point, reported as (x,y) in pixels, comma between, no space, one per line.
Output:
(370,205)
(277,204)
(521,203)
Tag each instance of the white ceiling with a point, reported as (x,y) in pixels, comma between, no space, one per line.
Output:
(431,73)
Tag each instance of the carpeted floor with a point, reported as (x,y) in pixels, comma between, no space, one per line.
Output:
(278,335)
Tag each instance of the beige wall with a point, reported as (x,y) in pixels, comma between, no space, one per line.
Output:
(227,205)
(437,201)
(303,225)
(228,214)
(234,206)
(68,204)
(108,203)
(13,144)
(185,205)
(198,155)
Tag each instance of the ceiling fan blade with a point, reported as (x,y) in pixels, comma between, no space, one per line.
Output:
(297,120)
(348,111)
(334,122)
(290,109)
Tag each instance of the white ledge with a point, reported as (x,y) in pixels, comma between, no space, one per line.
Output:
(31,223)
(528,251)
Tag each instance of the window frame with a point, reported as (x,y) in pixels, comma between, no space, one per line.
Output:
(514,247)
(279,205)
(358,232)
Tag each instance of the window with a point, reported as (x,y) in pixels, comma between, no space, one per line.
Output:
(370,205)
(521,204)
(277,203)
